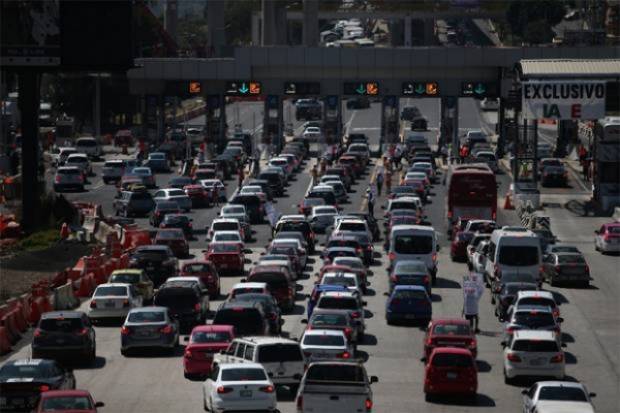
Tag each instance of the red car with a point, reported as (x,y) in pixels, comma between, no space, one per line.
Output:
(450,371)
(459,225)
(204,342)
(175,239)
(200,197)
(67,401)
(279,281)
(458,246)
(449,332)
(206,271)
(227,257)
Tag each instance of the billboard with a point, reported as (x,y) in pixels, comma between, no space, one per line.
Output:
(558,99)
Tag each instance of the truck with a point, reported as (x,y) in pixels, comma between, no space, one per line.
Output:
(335,386)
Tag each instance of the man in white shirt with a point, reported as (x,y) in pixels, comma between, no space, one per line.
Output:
(473,288)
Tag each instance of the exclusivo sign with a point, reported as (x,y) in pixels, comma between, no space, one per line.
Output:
(563,99)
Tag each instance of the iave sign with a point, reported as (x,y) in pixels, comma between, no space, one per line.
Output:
(563,99)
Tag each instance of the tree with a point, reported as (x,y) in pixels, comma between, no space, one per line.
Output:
(524,16)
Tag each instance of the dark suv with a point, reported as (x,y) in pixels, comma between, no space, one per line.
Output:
(163,208)
(134,203)
(275,182)
(64,335)
(249,318)
(157,261)
(297,225)
(272,311)
(253,206)
(185,303)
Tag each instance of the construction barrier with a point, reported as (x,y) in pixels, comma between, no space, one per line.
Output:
(134,238)
(25,302)
(9,321)
(64,297)
(87,286)
(5,343)
(20,321)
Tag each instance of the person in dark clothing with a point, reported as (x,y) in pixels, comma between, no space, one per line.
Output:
(15,158)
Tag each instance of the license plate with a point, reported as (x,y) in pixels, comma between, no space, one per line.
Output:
(245,393)
(451,375)
(110,305)
(536,362)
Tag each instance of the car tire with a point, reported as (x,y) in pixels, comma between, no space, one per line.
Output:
(428,397)
(92,358)
(204,405)
(124,352)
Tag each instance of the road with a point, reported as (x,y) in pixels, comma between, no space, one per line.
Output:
(153,383)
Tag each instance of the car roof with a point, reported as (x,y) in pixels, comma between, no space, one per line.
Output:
(323,332)
(155,309)
(261,340)
(535,335)
(409,287)
(250,285)
(559,383)
(62,314)
(114,285)
(537,293)
(452,350)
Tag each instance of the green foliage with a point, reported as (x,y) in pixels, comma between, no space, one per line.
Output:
(239,20)
(40,240)
(534,19)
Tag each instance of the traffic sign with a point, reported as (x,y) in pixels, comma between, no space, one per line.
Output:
(195,87)
(302,88)
(420,89)
(361,88)
(243,88)
(479,89)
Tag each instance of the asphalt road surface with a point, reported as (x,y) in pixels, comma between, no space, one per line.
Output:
(151,382)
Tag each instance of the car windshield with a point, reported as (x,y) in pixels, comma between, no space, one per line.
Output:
(518,256)
(26,370)
(146,317)
(243,374)
(343,303)
(319,320)
(534,318)
(562,393)
(279,352)
(210,337)
(451,360)
(225,226)
(571,259)
(338,280)
(169,235)
(125,278)
(452,329)
(61,324)
(413,244)
(111,291)
(536,346)
(60,403)
(323,340)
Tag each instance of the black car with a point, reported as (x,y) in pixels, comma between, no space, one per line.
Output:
(566,267)
(185,303)
(504,295)
(64,336)
(253,206)
(178,221)
(22,382)
(162,208)
(248,318)
(298,225)
(409,113)
(138,203)
(157,261)
(180,182)
(275,182)
(272,310)
(264,185)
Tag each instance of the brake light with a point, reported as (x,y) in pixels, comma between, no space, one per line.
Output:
(82,332)
(344,355)
(347,332)
(125,331)
(434,256)
(557,358)
(188,354)
(496,270)
(125,303)
(392,256)
(368,404)
(393,278)
(166,330)
(511,330)
(494,216)
(558,268)
(44,388)
(93,304)
(513,357)
(300,403)
(449,214)
(267,389)
(57,179)
(587,269)
(425,279)
(224,390)
(355,314)
(38,332)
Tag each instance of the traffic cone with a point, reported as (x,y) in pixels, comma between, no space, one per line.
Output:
(64,231)
(507,203)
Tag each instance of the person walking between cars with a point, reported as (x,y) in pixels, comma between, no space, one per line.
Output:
(388,182)
(371,202)
(216,195)
(314,173)
(379,182)
(473,288)
(241,177)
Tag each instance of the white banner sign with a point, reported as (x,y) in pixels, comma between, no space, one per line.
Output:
(563,99)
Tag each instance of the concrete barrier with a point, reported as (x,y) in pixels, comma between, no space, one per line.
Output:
(616,215)
(64,298)
(102,231)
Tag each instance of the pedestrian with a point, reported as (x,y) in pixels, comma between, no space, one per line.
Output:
(379,182)
(585,165)
(314,173)
(371,202)
(216,195)
(473,288)
(388,182)
(241,177)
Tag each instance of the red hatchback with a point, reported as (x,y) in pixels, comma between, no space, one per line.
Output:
(203,343)
(450,371)
(175,239)
(206,271)
(67,401)
(227,257)
(449,332)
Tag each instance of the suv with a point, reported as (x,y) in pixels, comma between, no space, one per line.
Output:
(248,318)
(185,302)
(64,335)
(157,261)
(281,357)
(279,283)
(297,223)
(134,203)
(69,177)
(270,306)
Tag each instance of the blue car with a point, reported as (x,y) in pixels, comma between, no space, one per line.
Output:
(320,289)
(409,302)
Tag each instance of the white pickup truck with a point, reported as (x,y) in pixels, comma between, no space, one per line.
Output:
(335,386)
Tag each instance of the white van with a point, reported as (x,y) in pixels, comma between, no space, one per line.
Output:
(414,242)
(89,146)
(514,250)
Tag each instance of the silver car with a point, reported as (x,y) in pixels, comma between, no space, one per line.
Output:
(173,194)
(68,177)
(149,327)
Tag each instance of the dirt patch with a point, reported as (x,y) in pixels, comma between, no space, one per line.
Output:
(20,271)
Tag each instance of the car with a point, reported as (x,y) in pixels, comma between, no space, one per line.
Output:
(64,336)
(175,195)
(180,182)
(414,242)
(321,344)
(149,327)
(157,261)
(227,224)
(410,272)
(297,223)
(62,154)
(227,257)
(136,277)
(80,160)
(146,175)
(270,308)
(264,185)
(449,332)
(533,353)
(450,371)
(487,157)
(607,238)
(279,283)
(325,192)
(175,239)
(185,302)
(557,396)
(349,280)
(178,221)
(237,212)
(133,203)
(23,381)
(210,186)
(158,162)
(113,301)
(239,386)
(67,400)
(566,267)
(228,236)
(89,146)
(202,345)
(69,178)
(322,217)
(408,302)
(532,317)
(351,264)
(503,296)
(479,256)
(206,272)
(249,288)
(339,190)
(249,318)
(253,205)
(161,209)
(535,297)
(254,189)
(352,225)
(473,244)
(344,299)
(199,196)
(333,320)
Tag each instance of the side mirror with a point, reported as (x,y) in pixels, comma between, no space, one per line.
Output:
(382,206)
(374,379)
(99,404)
(270,374)
(596,231)
(247,251)
(524,391)
(563,345)
(423,359)
(222,351)
(243,280)
(592,394)
(364,303)
(503,343)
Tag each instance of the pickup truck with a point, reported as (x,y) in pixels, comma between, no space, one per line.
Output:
(335,386)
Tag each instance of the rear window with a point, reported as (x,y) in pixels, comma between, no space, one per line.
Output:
(352,226)
(225,248)
(125,278)
(111,291)
(64,325)
(274,280)
(346,281)
(12,371)
(246,200)
(451,360)
(518,256)
(61,403)
(344,303)
(225,226)
(302,227)
(196,268)
(411,294)
(147,317)
(274,353)
(323,340)
(613,230)
(319,320)
(176,192)
(245,374)
(226,237)
(176,298)
(452,329)
(87,143)
(536,346)
(413,244)
(140,196)
(537,301)
(245,321)
(571,259)
(210,337)
(113,164)
(169,235)
(326,372)
(69,172)
(152,254)
(534,319)
(562,393)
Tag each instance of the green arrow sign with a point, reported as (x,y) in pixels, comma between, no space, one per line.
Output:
(243,89)
(361,89)
(419,89)
(480,89)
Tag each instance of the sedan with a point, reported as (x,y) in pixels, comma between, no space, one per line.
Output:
(318,344)
(607,238)
(503,295)
(136,277)
(410,272)
(178,221)
(560,396)
(149,327)
(176,195)
(146,175)
(175,239)
(158,162)
(566,267)
(67,400)
(239,386)
(203,343)
(334,320)
(163,208)
(447,332)
(206,271)
(408,302)
(113,300)
(322,217)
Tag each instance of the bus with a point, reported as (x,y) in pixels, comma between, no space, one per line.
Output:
(606,162)
(472,192)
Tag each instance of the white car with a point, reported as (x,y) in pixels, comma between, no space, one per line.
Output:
(68,177)
(354,225)
(348,279)
(557,396)
(113,300)
(176,195)
(80,160)
(238,387)
(89,146)
(313,134)
(249,288)
(533,353)
(607,238)
(60,157)
(322,217)
(225,224)
(326,344)
(228,236)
